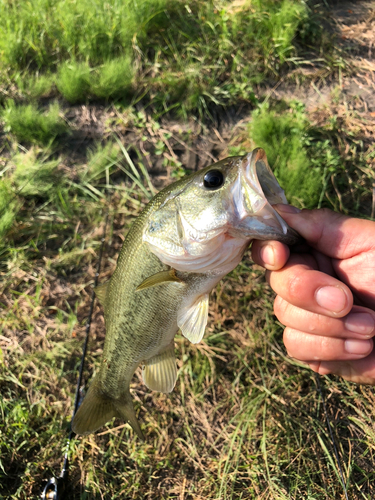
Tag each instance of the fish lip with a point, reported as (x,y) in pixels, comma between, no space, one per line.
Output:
(259,220)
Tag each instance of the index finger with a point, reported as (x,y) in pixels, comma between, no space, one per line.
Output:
(334,234)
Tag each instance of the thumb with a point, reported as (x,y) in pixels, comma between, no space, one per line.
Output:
(331,233)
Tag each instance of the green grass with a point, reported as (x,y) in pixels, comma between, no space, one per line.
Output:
(181,55)
(42,33)
(31,125)
(33,176)
(35,86)
(100,162)
(77,82)
(73,81)
(285,137)
(7,209)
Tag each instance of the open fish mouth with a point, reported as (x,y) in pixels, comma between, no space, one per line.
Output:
(254,193)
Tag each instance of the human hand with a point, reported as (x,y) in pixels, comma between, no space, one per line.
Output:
(326,291)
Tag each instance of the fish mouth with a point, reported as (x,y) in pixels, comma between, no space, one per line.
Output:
(257,192)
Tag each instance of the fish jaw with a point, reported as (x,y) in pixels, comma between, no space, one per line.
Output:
(253,194)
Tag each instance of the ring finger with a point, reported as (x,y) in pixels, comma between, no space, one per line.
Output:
(358,324)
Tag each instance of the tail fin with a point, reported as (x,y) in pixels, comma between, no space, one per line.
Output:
(97,409)
(125,410)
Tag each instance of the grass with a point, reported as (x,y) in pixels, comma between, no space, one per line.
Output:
(86,93)
(33,176)
(30,125)
(183,56)
(285,137)
(244,420)
(7,207)
(77,82)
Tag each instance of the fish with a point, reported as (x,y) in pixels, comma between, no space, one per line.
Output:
(187,238)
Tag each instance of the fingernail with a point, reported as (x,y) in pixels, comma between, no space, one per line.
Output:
(287,209)
(332,298)
(358,346)
(360,323)
(267,254)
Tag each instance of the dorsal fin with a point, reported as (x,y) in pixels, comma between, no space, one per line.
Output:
(101,292)
(159,279)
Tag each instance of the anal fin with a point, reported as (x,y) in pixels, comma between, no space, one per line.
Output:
(160,372)
(192,320)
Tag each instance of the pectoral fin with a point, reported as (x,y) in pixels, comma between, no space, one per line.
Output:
(159,279)
(160,372)
(192,320)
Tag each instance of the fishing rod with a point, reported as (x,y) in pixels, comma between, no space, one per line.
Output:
(56,486)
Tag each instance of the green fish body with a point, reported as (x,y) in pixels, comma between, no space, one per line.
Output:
(183,243)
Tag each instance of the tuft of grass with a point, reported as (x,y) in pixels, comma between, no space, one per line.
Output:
(73,81)
(30,125)
(101,162)
(283,134)
(278,25)
(78,83)
(36,86)
(113,79)
(8,209)
(35,176)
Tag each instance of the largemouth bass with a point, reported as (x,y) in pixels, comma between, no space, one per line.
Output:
(188,237)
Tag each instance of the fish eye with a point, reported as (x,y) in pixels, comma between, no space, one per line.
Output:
(213,179)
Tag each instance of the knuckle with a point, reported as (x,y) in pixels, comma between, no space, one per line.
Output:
(280,308)
(327,348)
(294,287)
(288,339)
(317,323)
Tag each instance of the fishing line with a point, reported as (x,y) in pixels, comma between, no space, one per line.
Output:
(55,487)
(320,390)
